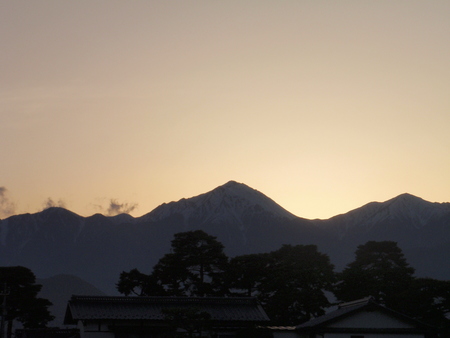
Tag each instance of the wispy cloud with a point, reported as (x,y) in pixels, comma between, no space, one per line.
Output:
(49,203)
(7,207)
(116,208)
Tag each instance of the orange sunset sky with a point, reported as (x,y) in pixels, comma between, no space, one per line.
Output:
(323,106)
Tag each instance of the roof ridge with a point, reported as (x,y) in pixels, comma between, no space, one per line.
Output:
(361,301)
(168,299)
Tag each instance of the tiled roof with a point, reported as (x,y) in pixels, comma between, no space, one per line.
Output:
(151,308)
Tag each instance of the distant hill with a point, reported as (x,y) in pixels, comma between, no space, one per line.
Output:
(98,248)
(58,290)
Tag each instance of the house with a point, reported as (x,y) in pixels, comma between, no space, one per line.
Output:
(126,317)
(363,318)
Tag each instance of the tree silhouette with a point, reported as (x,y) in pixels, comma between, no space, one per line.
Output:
(246,273)
(289,282)
(22,303)
(379,270)
(139,284)
(428,300)
(296,283)
(195,267)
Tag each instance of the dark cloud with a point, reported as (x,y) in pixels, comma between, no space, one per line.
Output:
(116,208)
(49,203)
(7,207)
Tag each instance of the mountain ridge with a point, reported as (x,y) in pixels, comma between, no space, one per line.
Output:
(97,248)
(156,214)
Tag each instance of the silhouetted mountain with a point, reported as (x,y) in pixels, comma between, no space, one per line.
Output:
(238,215)
(404,210)
(421,228)
(98,248)
(230,203)
(58,290)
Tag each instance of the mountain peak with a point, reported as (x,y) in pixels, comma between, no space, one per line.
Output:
(232,183)
(241,190)
(234,188)
(402,209)
(231,201)
(406,197)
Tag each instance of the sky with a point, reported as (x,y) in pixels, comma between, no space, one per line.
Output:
(111,106)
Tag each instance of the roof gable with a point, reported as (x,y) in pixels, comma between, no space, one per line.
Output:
(152,308)
(363,313)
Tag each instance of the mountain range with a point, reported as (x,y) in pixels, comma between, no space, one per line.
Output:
(98,248)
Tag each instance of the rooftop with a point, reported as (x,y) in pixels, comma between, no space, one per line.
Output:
(238,309)
(346,309)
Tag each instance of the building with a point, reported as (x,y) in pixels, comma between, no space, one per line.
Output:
(126,317)
(363,318)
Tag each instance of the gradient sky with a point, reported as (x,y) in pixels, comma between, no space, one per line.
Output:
(323,106)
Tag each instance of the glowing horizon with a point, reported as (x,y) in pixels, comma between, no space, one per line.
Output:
(321,106)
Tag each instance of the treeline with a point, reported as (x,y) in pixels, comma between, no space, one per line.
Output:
(293,283)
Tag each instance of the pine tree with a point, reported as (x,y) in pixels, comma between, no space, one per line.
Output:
(22,303)
(379,270)
(195,267)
